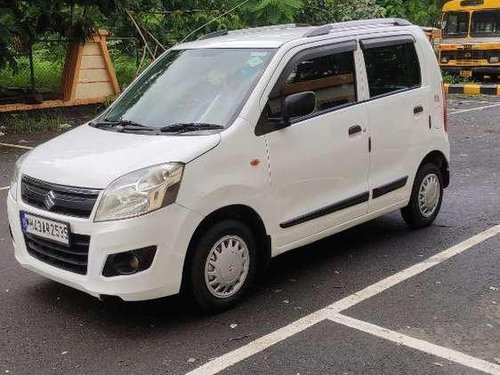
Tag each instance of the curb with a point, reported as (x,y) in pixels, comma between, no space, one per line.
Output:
(472,89)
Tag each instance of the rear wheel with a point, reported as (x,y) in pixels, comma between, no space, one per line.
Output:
(426,197)
(223,265)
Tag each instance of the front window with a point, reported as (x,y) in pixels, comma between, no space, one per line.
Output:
(455,24)
(331,77)
(192,86)
(486,23)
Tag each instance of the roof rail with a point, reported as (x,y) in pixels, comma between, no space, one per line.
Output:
(217,33)
(213,34)
(325,29)
(265,28)
(322,30)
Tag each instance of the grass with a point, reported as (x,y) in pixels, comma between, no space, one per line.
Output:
(25,122)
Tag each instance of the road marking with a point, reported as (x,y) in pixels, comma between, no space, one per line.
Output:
(421,345)
(16,146)
(4,188)
(414,270)
(474,109)
(220,363)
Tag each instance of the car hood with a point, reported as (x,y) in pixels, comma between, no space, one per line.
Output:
(90,157)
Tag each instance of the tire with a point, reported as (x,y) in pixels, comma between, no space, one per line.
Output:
(240,259)
(418,214)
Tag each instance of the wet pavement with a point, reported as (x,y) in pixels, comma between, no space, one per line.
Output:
(47,328)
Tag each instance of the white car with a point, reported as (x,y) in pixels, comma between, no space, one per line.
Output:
(231,150)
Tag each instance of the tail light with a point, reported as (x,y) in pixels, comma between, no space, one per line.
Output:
(445,110)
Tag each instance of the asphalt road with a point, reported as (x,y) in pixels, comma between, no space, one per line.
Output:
(47,328)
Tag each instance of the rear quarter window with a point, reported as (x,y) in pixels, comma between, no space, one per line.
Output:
(392,68)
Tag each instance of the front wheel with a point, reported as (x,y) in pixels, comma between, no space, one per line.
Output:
(426,197)
(223,265)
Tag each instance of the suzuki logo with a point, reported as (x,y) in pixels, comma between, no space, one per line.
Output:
(50,200)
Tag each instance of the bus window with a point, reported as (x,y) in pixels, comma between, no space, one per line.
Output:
(455,24)
(486,23)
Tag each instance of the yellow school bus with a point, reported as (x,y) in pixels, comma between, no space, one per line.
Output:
(471,38)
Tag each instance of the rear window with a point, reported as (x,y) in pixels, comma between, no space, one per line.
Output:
(392,68)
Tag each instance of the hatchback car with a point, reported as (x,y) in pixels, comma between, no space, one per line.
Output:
(231,150)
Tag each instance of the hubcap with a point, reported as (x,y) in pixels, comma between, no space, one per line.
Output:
(429,194)
(226,268)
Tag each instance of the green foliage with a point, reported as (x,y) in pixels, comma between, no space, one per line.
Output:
(265,12)
(455,79)
(7,28)
(23,22)
(316,12)
(420,12)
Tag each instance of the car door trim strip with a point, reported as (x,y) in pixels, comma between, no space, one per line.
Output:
(390,187)
(346,203)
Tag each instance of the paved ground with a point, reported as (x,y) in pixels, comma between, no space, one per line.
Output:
(444,320)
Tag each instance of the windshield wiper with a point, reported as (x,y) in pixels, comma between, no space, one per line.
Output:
(120,125)
(189,127)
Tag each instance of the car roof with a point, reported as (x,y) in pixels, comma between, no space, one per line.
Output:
(276,36)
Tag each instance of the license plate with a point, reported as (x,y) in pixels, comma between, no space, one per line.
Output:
(45,228)
(465,73)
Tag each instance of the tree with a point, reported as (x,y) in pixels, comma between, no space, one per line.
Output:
(7,29)
(265,12)
(23,22)
(324,11)
(420,12)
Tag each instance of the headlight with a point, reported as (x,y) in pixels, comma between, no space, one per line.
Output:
(15,177)
(140,192)
(494,59)
(445,60)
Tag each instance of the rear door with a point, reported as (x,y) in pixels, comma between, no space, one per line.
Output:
(397,111)
(319,164)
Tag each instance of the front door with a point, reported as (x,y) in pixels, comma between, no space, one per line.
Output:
(319,164)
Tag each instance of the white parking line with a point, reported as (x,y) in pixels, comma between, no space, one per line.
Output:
(421,345)
(473,109)
(4,188)
(220,363)
(16,146)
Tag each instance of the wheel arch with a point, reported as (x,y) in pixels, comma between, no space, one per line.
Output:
(439,159)
(240,212)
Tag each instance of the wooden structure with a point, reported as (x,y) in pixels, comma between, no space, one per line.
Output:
(88,77)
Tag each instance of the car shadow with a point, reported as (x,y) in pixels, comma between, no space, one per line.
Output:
(311,264)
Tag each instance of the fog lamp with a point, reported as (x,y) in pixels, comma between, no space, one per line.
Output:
(129,262)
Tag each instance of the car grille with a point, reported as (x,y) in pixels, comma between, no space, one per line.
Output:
(73,258)
(66,200)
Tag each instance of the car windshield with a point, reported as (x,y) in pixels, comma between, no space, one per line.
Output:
(198,88)
(486,23)
(455,24)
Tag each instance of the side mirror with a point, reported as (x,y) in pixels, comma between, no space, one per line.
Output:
(295,105)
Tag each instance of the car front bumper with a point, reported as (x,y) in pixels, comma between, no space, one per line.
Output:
(169,229)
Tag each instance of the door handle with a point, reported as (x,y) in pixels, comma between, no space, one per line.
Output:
(354,130)
(418,109)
